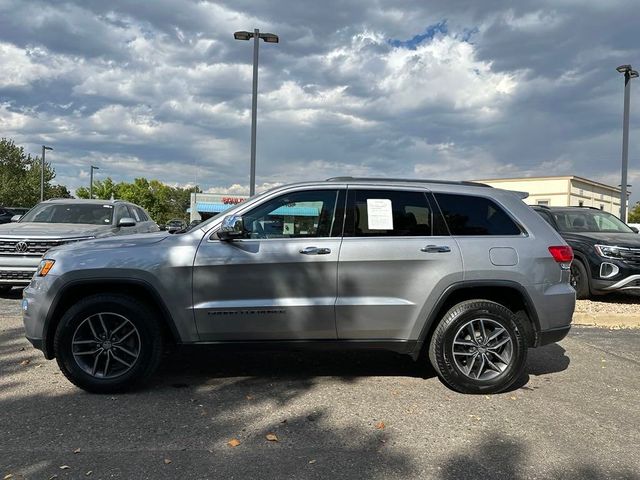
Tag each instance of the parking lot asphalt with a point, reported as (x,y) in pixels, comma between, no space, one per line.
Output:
(576,415)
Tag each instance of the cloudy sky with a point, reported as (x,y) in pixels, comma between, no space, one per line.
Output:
(436,89)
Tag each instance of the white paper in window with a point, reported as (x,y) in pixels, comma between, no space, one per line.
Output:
(379,214)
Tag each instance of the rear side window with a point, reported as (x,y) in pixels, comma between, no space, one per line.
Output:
(471,215)
(388,213)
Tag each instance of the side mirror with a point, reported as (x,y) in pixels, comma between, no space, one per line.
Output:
(127,222)
(232,227)
(16,218)
(635,229)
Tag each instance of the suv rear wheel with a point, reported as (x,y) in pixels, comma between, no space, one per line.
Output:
(107,343)
(478,347)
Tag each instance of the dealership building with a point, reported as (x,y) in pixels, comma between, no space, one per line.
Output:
(563,191)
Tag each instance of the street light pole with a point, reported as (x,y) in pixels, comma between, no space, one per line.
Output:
(44,149)
(269,38)
(629,73)
(254,112)
(91,181)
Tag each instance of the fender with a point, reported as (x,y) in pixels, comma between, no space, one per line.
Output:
(47,347)
(451,289)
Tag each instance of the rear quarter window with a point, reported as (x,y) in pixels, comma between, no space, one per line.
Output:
(474,215)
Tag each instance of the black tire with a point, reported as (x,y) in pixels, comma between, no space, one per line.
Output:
(494,315)
(147,334)
(580,280)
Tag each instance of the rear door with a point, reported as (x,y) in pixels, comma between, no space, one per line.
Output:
(395,261)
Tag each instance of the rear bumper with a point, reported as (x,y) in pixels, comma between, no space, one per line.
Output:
(552,336)
(37,343)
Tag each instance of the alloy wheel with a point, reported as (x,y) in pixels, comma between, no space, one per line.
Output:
(106,345)
(482,349)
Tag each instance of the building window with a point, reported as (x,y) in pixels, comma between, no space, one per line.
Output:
(602,196)
(581,192)
(581,203)
(542,202)
(601,207)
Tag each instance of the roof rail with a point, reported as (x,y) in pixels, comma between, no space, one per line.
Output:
(567,206)
(408,180)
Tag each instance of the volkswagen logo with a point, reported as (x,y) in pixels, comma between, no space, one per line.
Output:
(22,247)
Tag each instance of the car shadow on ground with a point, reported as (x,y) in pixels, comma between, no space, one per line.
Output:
(130,435)
(190,365)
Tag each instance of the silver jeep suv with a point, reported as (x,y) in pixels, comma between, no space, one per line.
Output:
(460,274)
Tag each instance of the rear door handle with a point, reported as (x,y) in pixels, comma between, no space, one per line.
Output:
(315,251)
(436,249)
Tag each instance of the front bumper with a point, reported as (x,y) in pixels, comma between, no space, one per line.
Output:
(629,282)
(36,302)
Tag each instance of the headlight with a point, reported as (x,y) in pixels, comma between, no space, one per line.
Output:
(608,251)
(44,267)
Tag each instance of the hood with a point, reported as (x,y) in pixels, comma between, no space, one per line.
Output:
(136,240)
(602,238)
(52,230)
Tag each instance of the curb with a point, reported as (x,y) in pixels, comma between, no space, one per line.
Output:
(606,320)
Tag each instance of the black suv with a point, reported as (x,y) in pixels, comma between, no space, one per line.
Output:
(607,250)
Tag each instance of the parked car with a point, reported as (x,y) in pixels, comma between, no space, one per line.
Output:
(176,225)
(607,251)
(6,215)
(57,222)
(465,274)
(193,224)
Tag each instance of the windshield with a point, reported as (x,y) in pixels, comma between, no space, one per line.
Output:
(205,224)
(590,221)
(92,214)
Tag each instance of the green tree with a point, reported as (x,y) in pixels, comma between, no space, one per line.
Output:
(163,202)
(20,176)
(634,213)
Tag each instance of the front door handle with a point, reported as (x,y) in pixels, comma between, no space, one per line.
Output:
(315,251)
(435,249)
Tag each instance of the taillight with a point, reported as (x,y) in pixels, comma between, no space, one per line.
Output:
(562,253)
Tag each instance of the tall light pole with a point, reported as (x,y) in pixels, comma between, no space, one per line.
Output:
(269,38)
(629,73)
(44,149)
(91,181)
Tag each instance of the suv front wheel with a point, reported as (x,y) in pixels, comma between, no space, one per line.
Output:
(108,343)
(478,347)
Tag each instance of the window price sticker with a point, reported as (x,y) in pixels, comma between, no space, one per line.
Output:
(379,214)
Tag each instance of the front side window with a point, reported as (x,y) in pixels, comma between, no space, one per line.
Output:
(388,213)
(304,214)
(472,215)
(133,212)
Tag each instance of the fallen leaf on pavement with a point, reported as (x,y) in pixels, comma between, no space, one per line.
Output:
(77,450)
(249,397)
(234,442)
(271,437)
(312,461)
(8,476)
(24,363)
(380,425)
(64,467)
(89,473)
(167,461)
